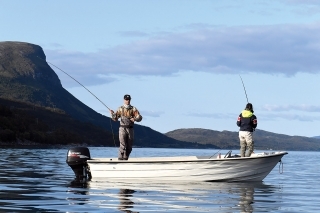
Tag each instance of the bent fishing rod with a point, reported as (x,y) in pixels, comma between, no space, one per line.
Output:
(77,82)
(244,89)
(87,90)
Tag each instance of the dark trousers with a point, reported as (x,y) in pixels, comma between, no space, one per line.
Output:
(126,141)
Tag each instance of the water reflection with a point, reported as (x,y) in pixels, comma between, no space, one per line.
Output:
(76,183)
(246,198)
(185,197)
(125,202)
(78,188)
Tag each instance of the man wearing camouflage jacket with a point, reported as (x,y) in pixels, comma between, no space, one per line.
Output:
(128,114)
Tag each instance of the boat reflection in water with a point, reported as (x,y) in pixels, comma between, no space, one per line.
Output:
(81,191)
(184,197)
(125,202)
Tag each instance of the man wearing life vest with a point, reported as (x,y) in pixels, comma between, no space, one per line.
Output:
(128,114)
(247,122)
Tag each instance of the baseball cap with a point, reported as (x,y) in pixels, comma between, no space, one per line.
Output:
(127,97)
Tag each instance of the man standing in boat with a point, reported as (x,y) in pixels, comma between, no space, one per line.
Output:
(128,114)
(247,122)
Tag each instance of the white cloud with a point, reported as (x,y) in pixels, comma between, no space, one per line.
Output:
(133,34)
(214,115)
(287,116)
(262,116)
(302,2)
(281,49)
(304,7)
(151,113)
(301,107)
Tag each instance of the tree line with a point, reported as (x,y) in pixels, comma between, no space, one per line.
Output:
(46,127)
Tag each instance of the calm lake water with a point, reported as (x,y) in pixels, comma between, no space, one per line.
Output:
(39,180)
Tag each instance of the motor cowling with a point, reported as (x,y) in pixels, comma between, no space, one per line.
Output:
(77,159)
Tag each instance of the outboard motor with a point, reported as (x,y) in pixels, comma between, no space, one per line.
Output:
(77,159)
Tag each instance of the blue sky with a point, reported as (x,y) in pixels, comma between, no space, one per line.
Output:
(181,61)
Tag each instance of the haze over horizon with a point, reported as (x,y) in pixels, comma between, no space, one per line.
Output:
(181,62)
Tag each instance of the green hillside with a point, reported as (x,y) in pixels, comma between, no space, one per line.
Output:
(27,124)
(263,140)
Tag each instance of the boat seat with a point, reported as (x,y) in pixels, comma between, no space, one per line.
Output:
(228,155)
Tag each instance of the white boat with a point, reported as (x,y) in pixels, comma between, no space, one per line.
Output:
(228,167)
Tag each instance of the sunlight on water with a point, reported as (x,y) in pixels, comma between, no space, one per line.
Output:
(41,181)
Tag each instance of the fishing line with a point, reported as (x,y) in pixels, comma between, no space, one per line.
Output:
(87,90)
(244,89)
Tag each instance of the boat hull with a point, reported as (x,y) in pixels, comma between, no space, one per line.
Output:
(191,168)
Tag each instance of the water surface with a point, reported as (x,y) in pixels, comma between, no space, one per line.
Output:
(39,180)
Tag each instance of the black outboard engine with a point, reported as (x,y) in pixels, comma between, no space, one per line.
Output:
(77,159)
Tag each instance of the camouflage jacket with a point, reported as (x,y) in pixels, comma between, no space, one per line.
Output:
(125,114)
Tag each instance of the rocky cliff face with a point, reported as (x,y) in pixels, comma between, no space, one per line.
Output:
(24,61)
(25,76)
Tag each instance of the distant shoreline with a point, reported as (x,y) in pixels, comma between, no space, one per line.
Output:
(33,145)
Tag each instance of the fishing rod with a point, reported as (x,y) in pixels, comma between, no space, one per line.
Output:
(78,83)
(215,153)
(87,90)
(244,89)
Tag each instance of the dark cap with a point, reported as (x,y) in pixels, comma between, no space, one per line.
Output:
(249,106)
(127,97)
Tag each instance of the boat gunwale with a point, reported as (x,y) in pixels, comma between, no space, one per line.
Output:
(151,160)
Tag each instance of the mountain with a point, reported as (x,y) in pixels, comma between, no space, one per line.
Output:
(23,124)
(26,77)
(263,140)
